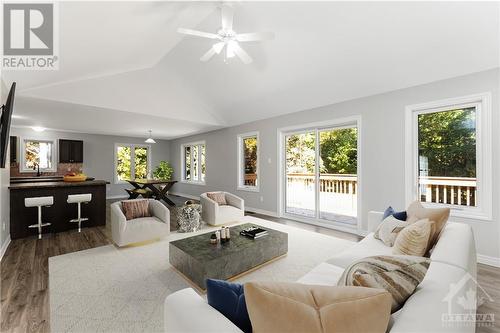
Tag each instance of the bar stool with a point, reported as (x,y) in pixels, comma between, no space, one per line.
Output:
(39,202)
(79,199)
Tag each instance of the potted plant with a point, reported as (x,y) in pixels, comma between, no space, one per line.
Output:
(163,171)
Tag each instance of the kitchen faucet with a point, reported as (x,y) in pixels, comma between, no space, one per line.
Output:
(37,168)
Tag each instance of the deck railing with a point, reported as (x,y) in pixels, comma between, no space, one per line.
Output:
(448,190)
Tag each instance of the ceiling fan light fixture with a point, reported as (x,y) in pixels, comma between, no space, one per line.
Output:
(228,38)
(150,139)
(230,49)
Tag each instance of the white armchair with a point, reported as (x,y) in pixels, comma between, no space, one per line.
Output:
(142,229)
(215,214)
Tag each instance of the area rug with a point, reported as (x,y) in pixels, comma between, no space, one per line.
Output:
(107,289)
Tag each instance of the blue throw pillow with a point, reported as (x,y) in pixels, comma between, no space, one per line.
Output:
(229,299)
(402,216)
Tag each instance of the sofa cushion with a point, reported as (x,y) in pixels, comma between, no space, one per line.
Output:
(388,230)
(399,215)
(293,307)
(229,299)
(437,215)
(323,275)
(414,239)
(399,275)
(218,197)
(136,208)
(368,246)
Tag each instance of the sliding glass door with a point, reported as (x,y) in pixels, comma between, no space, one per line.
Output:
(300,150)
(321,174)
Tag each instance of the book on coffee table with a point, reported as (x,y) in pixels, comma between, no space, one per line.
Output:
(254,232)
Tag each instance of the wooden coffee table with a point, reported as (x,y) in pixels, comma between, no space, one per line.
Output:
(198,260)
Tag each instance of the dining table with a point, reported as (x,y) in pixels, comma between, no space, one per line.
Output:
(158,188)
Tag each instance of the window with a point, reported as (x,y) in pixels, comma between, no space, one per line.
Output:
(450,155)
(248,161)
(37,153)
(132,161)
(193,162)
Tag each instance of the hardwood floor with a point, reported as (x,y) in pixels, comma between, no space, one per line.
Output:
(24,274)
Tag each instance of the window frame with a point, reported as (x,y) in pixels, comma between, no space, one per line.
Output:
(54,161)
(484,194)
(241,163)
(183,163)
(132,159)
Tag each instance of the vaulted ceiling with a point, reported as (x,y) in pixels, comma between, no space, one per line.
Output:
(124,69)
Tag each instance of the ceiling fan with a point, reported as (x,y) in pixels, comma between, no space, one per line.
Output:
(227,38)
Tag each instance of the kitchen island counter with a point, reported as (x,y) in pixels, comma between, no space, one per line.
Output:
(52,184)
(61,212)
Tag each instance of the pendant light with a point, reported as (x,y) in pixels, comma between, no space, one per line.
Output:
(150,139)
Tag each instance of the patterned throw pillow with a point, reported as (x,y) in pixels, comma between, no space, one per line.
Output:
(414,239)
(399,275)
(437,215)
(134,209)
(218,197)
(388,230)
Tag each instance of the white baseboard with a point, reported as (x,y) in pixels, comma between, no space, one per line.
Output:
(5,245)
(261,211)
(487,260)
(251,209)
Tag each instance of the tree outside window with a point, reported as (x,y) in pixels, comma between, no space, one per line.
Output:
(132,161)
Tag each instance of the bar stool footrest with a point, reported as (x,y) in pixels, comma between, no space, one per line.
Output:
(83,219)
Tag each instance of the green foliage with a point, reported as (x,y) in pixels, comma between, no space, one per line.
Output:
(339,151)
(141,162)
(447,143)
(123,165)
(250,151)
(300,153)
(163,171)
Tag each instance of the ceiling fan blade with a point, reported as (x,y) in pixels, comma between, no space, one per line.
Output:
(242,54)
(217,47)
(254,36)
(198,33)
(207,56)
(227,17)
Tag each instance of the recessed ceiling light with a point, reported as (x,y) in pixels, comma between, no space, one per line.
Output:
(38,129)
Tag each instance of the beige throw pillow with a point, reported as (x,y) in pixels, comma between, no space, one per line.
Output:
(134,209)
(388,230)
(414,239)
(218,197)
(437,215)
(295,307)
(399,275)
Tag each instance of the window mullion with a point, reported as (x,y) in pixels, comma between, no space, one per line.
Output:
(132,161)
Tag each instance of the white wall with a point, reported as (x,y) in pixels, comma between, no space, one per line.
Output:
(382,150)
(98,153)
(4,191)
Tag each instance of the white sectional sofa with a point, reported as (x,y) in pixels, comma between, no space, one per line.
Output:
(451,274)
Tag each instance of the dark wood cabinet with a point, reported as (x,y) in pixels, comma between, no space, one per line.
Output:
(13,149)
(70,151)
